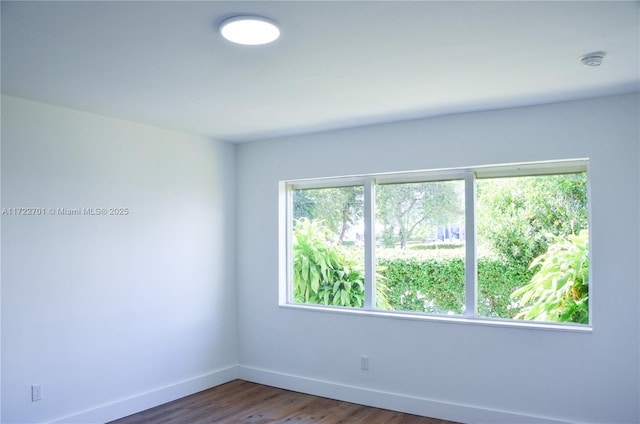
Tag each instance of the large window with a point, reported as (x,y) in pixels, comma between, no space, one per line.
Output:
(497,242)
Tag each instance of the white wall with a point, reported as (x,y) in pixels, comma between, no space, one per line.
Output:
(463,372)
(113,314)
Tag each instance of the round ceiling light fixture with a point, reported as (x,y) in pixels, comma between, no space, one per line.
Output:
(592,59)
(250,30)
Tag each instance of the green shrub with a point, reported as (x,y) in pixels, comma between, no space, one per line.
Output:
(433,286)
(324,273)
(438,286)
(559,290)
(327,274)
(496,281)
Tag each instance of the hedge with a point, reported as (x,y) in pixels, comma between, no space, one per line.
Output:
(438,286)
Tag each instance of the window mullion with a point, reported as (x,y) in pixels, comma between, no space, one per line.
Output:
(471,263)
(369,245)
(287,192)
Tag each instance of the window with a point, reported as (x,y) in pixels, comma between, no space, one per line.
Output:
(420,240)
(495,242)
(328,253)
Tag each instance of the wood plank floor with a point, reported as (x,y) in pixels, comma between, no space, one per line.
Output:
(242,402)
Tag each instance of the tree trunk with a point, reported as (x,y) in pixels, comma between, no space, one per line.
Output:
(345,221)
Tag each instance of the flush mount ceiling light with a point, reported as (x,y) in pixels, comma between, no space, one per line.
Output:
(249,30)
(592,59)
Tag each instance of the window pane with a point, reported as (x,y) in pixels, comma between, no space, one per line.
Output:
(532,243)
(328,246)
(420,247)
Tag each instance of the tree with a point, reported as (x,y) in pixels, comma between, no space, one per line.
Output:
(406,209)
(303,204)
(529,223)
(518,217)
(338,207)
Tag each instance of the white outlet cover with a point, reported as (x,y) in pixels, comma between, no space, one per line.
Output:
(36,392)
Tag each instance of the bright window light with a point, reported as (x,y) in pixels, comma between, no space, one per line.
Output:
(506,242)
(249,30)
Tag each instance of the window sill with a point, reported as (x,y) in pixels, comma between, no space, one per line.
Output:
(445,319)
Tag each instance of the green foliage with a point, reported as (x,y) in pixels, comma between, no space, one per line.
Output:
(559,290)
(303,204)
(433,286)
(497,279)
(324,273)
(524,270)
(338,207)
(519,216)
(407,209)
(438,285)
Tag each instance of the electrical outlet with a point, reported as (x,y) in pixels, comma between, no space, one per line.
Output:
(36,392)
(364,363)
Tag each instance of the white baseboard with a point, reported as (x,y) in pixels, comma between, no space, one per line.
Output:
(364,396)
(387,400)
(142,401)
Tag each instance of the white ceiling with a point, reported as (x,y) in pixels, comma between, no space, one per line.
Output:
(337,64)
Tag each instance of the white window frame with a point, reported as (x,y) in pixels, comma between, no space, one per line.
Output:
(467,174)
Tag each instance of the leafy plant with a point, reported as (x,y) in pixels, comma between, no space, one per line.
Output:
(324,273)
(559,290)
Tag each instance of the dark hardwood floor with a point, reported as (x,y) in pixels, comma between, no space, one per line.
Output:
(242,402)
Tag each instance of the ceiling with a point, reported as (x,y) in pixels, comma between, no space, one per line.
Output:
(337,64)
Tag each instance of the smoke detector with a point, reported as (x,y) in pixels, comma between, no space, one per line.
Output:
(592,59)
